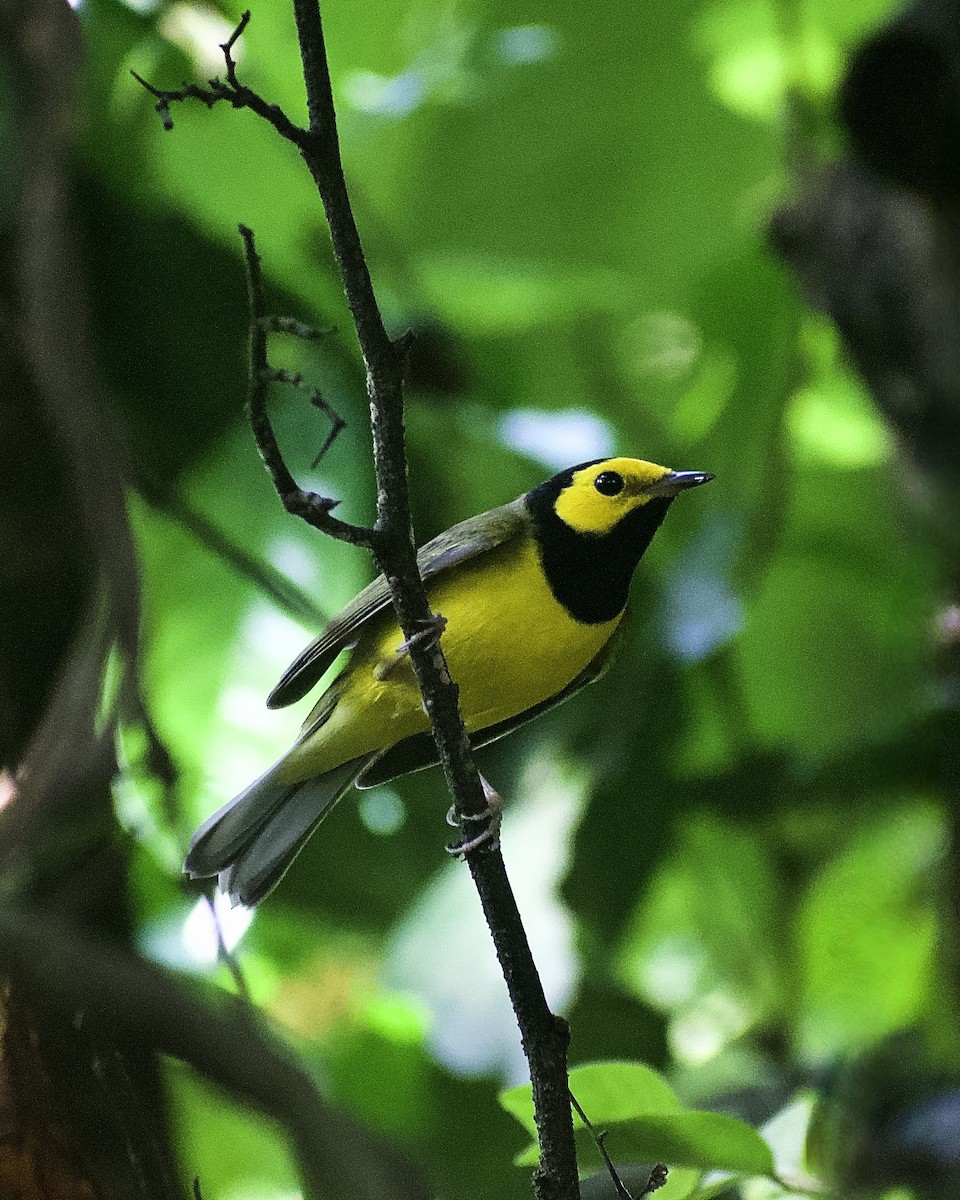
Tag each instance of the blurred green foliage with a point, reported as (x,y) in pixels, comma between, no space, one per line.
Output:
(733,854)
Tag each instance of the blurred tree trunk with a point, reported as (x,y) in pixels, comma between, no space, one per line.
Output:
(78,1117)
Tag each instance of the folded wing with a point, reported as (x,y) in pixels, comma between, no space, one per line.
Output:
(456,545)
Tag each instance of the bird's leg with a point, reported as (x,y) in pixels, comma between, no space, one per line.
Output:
(492,814)
(431,632)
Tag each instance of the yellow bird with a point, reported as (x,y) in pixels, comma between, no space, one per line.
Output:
(532,594)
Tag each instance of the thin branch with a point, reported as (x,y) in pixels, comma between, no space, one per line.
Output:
(337,425)
(227,48)
(315,510)
(230,962)
(232,92)
(306,333)
(279,375)
(261,574)
(544,1036)
(599,1140)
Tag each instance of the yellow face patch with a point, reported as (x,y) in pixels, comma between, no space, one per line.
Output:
(601,495)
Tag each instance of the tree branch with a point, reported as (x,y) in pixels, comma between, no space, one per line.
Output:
(544,1036)
(315,510)
(86,980)
(232,92)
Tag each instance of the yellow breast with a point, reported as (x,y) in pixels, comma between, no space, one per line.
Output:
(508,642)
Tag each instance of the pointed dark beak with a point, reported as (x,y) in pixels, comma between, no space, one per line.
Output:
(678,481)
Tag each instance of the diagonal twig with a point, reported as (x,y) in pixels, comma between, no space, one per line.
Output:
(599,1139)
(289,598)
(656,1179)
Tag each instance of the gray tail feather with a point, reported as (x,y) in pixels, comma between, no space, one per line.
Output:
(251,841)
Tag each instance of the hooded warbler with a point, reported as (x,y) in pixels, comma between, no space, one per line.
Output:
(532,594)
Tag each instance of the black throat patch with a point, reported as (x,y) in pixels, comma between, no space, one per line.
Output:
(590,573)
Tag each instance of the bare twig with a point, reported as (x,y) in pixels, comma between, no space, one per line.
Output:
(337,425)
(306,333)
(544,1036)
(315,510)
(599,1140)
(232,92)
(271,324)
(229,960)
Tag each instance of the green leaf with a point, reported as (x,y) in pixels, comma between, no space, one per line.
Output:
(617,1091)
(607,1092)
(711,1141)
(646,1122)
(518,1102)
(705,1140)
(867,932)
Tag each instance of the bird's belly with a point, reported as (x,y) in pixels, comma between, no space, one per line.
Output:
(512,645)
(509,645)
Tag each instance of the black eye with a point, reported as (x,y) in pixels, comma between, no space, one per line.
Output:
(608,483)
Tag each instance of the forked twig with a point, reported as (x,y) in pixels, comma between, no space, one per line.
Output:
(315,510)
(233,92)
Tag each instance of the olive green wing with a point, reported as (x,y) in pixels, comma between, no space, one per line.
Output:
(456,545)
(416,752)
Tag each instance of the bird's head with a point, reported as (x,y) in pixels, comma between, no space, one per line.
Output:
(593,523)
(594,497)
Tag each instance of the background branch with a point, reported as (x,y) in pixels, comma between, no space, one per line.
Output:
(261,573)
(86,981)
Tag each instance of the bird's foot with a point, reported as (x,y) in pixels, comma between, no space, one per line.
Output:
(432,629)
(490,834)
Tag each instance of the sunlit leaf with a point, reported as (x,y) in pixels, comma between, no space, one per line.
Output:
(867,932)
